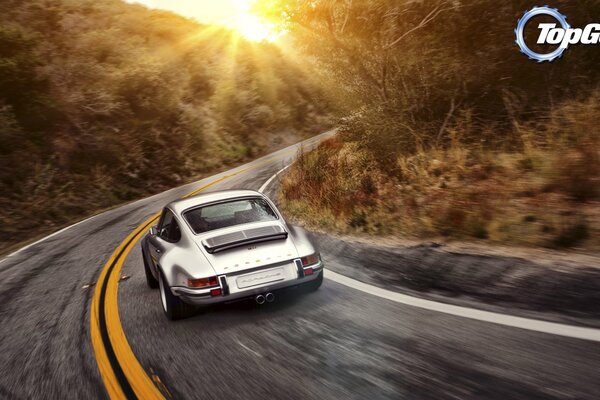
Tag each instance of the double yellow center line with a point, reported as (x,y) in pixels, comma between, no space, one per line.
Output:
(123,376)
(122,373)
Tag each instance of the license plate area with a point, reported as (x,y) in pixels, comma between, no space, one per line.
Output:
(259,278)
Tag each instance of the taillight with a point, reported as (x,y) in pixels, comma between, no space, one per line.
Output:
(308,271)
(310,260)
(203,282)
(215,292)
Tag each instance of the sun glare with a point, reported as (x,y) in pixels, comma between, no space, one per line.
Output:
(239,15)
(252,26)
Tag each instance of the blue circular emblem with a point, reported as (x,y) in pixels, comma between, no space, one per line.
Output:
(545,10)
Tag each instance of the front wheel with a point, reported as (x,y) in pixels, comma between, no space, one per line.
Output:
(172,305)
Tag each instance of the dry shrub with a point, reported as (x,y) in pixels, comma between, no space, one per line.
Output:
(545,194)
(577,174)
(336,179)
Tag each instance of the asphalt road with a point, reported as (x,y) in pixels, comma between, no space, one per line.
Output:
(335,343)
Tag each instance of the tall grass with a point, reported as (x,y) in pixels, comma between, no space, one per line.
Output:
(542,191)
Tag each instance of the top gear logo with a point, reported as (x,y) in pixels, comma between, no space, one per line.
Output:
(563,36)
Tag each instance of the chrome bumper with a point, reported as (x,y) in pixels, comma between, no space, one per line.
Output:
(203,296)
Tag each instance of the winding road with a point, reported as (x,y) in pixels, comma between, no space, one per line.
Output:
(79,322)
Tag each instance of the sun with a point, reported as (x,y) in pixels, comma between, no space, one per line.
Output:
(251,26)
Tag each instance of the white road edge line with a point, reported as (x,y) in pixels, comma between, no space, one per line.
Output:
(318,139)
(46,238)
(94,216)
(268,182)
(256,353)
(536,325)
(552,328)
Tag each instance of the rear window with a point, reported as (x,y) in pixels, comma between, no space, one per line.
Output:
(223,215)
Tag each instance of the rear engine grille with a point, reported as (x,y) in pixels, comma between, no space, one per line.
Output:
(239,238)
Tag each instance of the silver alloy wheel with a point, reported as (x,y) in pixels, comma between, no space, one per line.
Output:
(163,297)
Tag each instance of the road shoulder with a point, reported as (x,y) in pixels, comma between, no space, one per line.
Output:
(556,289)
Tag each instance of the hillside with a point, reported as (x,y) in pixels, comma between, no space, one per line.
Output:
(102,102)
(451,133)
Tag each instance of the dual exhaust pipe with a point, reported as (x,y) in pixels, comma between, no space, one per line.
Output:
(261,299)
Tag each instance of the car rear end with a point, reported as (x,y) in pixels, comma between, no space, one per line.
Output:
(252,283)
(250,248)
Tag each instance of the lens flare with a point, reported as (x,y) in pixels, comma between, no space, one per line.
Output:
(251,26)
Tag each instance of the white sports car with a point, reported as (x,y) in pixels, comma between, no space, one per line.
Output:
(225,246)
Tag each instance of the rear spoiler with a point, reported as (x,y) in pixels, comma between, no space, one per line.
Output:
(227,241)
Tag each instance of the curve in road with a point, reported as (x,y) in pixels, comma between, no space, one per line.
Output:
(336,343)
(121,372)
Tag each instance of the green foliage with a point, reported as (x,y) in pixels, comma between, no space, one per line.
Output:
(20,85)
(103,101)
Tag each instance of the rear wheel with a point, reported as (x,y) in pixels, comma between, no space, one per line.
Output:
(151,281)
(172,305)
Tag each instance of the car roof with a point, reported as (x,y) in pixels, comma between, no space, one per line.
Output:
(179,206)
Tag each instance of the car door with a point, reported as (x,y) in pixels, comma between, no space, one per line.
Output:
(167,235)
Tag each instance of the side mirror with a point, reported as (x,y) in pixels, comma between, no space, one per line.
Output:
(153,231)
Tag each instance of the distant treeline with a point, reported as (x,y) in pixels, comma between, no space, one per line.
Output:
(103,101)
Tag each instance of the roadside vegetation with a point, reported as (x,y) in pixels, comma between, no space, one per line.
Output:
(102,102)
(449,131)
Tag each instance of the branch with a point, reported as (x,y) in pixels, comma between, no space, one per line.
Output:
(428,18)
(353,56)
(346,18)
(446,120)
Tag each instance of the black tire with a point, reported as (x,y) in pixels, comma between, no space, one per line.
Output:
(172,305)
(151,281)
(315,284)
